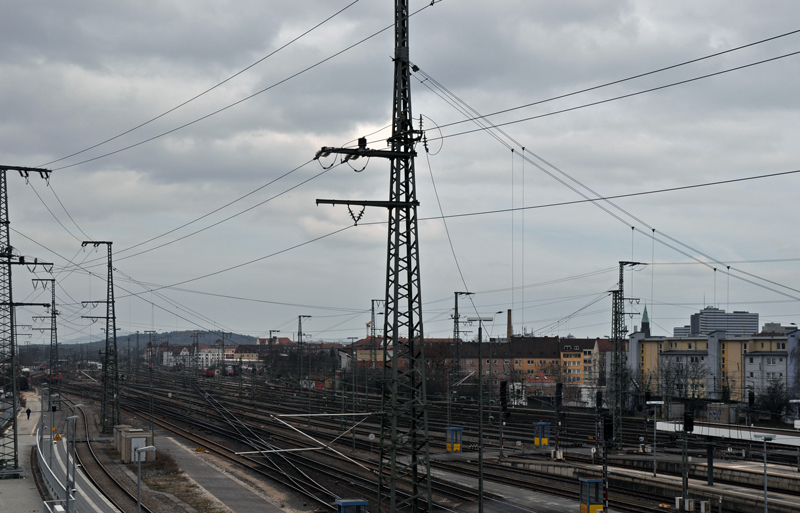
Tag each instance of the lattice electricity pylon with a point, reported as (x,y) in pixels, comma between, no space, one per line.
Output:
(9,445)
(54,370)
(109,402)
(618,359)
(405,483)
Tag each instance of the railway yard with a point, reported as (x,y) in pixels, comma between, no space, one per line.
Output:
(228,445)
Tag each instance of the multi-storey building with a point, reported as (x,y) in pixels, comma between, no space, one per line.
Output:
(711,319)
(717,365)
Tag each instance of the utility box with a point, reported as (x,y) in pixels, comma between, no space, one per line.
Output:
(351,506)
(705,506)
(132,439)
(718,413)
(117,429)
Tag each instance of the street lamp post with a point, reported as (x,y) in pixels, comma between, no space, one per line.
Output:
(655,431)
(41,409)
(74,439)
(139,457)
(767,438)
(796,403)
(69,485)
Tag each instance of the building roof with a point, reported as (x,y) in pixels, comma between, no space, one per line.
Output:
(539,377)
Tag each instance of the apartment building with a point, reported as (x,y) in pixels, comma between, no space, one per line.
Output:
(718,365)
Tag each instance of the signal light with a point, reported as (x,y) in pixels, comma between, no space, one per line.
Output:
(688,421)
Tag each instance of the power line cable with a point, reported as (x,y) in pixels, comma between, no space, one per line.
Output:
(597,204)
(615,98)
(633,77)
(242,100)
(173,109)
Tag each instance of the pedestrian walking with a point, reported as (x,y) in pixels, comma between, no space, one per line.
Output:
(28,411)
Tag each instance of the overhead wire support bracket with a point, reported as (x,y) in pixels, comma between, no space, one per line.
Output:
(354,153)
(370,203)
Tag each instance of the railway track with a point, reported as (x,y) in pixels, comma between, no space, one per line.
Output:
(255,405)
(94,470)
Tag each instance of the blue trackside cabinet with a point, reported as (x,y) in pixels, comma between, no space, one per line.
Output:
(454,435)
(591,495)
(541,434)
(351,506)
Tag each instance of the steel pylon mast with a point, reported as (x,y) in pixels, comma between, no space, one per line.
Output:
(373,355)
(109,402)
(405,484)
(55,388)
(9,442)
(618,359)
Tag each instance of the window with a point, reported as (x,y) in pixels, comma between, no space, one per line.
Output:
(642,349)
(722,362)
(660,345)
(517,362)
(762,345)
(494,362)
(531,362)
(690,345)
(542,362)
(781,346)
(587,352)
(751,374)
(506,362)
(723,348)
(469,362)
(679,359)
(751,360)
(487,362)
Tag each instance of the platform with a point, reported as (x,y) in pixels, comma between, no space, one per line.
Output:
(21,495)
(226,489)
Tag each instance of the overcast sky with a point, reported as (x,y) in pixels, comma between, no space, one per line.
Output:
(75,74)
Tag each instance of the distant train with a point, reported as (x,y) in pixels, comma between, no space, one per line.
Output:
(209,373)
(55,377)
(23,383)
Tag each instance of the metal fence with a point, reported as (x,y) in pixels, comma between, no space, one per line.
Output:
(54,486)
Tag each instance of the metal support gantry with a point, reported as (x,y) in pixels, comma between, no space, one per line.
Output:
(109,402)
(9,442)
(54,370)
(618,360)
